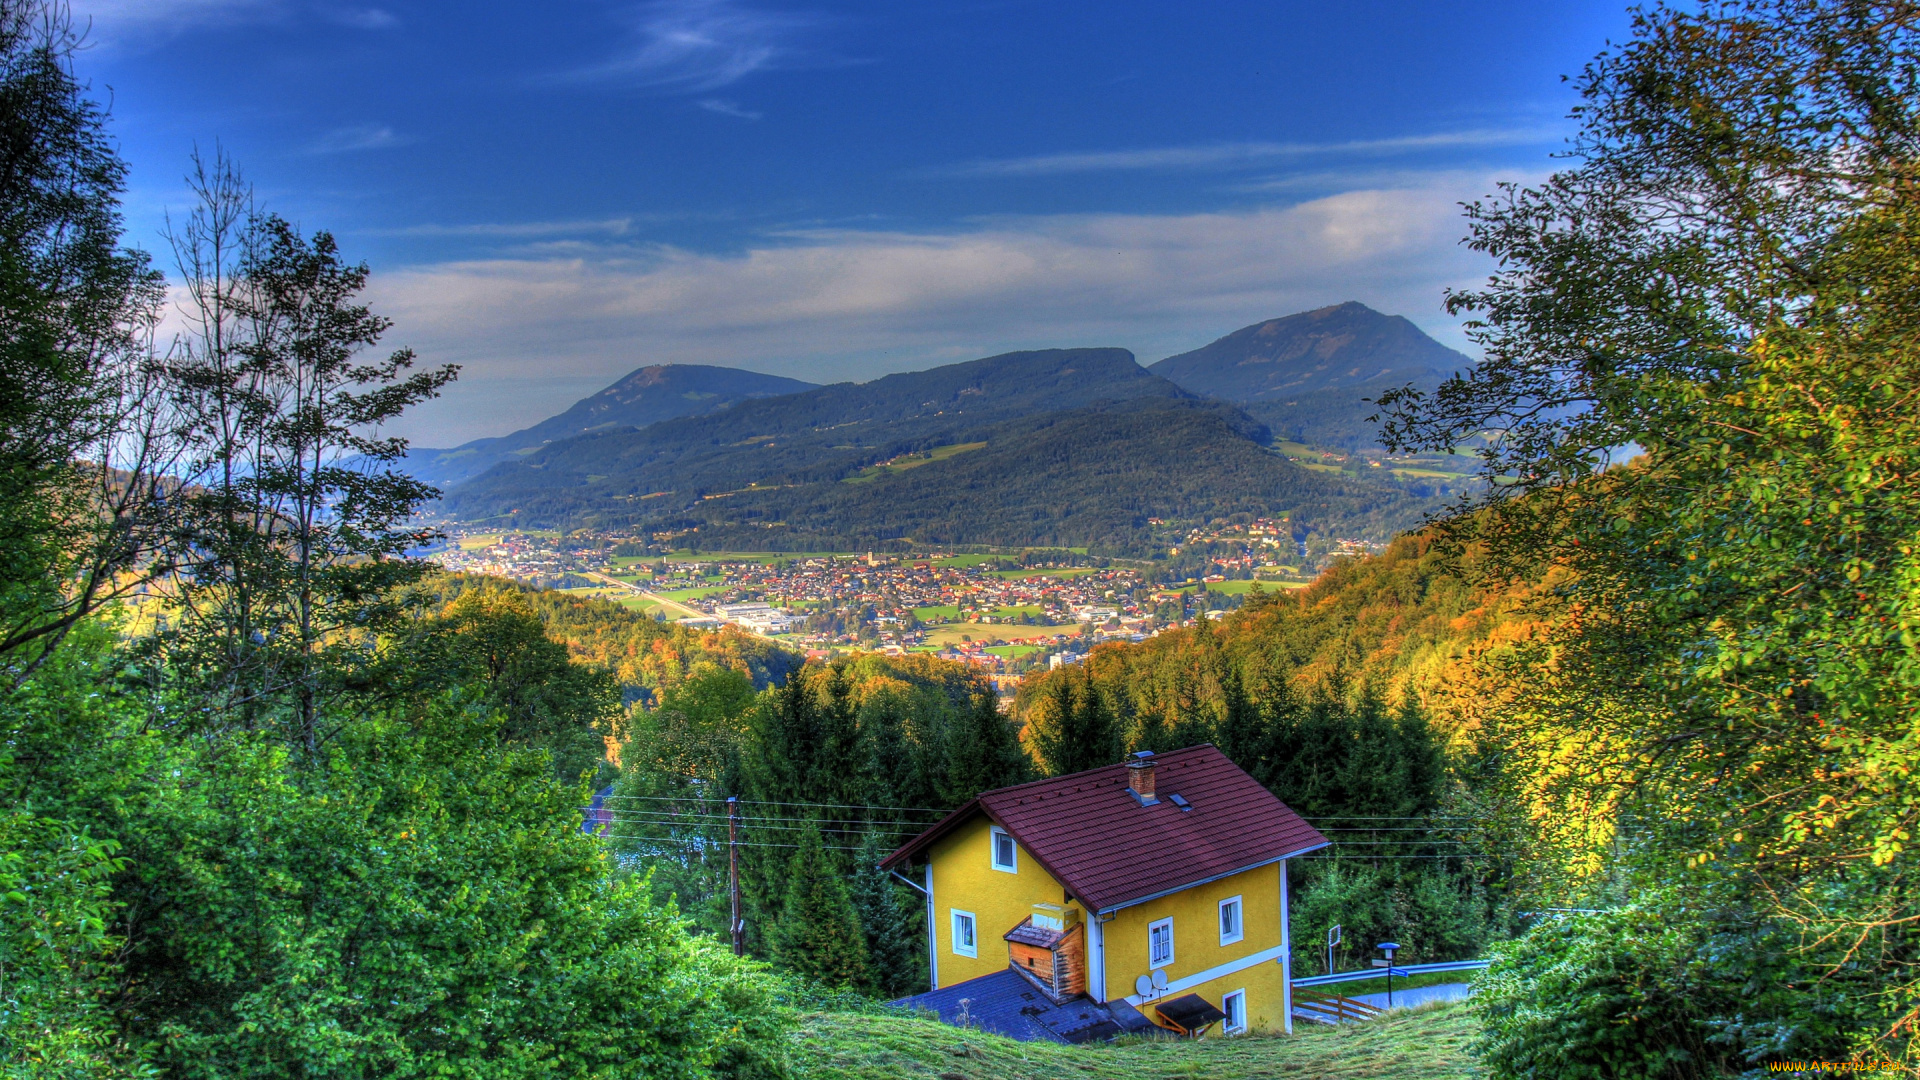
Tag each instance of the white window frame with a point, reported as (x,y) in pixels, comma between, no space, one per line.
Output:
(1228,1027)
(954,915)
(1239,921)
(1152,960)
(993,850)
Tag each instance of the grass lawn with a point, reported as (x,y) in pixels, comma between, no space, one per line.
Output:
(1029,575)
(1014,652)
(475,543)
(684,595)
(761,557)
(951,633)
(1237,588)
(944,611)
(1016,612)
(1419,1044)
(911,461)
(965,560)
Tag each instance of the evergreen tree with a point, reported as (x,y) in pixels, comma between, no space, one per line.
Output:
(819,935)
(983,752)
(1073,730)
(1245,733)
(893,919)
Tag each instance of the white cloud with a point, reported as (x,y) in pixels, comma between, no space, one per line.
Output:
(727,108)
(854,304)
(355,137)
(1228,155)
(517,229)
(698,46)
(364,18)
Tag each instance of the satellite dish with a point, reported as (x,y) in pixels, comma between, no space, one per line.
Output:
(1143,986)
(1159,978)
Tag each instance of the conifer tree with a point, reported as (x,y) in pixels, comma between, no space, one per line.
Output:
(982,752)
(893,920)
(818,935)
(1073,729)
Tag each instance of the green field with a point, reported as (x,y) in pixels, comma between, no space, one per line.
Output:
(911,461)
(952,633)
(684,595)
(964,561)
(1028,575)
(933,614)
(1016,612)
(1418,1044)
(1014,652)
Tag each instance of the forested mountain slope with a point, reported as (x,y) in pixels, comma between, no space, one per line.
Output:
(1399,622)
(1310,376)
(646,396)
(1096,477)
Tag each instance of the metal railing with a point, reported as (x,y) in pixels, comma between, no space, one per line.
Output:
(1402,970)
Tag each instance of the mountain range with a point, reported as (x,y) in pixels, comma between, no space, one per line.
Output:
(1312,376)
(647,396)
(1061,447)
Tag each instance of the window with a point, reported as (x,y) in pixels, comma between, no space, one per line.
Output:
(1231,928)
(1006,854)
(964,942)
(1160,943)
(1235,1006)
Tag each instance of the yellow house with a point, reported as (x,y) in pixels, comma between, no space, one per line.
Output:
(1152,892)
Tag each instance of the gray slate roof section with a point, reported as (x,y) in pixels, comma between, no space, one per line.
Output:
(1006,1004)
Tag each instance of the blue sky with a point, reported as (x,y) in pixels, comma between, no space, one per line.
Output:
(554,194)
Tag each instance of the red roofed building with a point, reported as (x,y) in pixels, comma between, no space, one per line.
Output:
(1159,883)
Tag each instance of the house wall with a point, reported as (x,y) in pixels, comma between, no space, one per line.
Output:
(1197,951)
(964,878)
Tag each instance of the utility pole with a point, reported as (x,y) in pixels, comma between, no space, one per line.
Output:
(733,872)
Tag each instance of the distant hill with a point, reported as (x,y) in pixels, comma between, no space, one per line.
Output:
(647,396)
(1309,376)
(1074,447)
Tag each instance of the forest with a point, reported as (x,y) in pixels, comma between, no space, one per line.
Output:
(1636,723)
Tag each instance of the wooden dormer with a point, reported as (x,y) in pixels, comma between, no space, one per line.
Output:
(1049,947)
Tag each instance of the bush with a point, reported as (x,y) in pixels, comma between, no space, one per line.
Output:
(1660,992)
(425,905)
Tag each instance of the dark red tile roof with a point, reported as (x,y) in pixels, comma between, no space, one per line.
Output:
(1109,851)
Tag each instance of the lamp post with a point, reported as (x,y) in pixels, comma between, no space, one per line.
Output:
(1333,938)
(1389,947)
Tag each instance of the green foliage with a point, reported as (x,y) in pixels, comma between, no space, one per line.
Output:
(55,951)
(1724,276)
(648,657)
(295,517)
(494,643)
(423,904)
(1071,728)
(893,920)
(819,936)
(1662,990)
(982,751)
(73,305)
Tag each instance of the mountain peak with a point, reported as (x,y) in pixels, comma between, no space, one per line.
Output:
(1336,347)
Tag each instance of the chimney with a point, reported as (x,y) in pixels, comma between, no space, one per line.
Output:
(1140,778)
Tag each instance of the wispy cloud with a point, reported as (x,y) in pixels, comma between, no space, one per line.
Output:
(517,229)
(1229,155)
(727,108)
(698,46)
(363,18)
(855,303)
(356,137)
